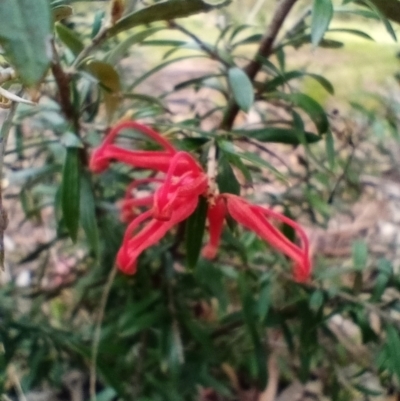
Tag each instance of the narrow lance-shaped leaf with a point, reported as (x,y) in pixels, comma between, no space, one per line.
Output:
(330,149)
(25,32)
(242,88)
(87,214)
(382,15)
(69,38)
(274,83)
(195,226)
(278,135)
(226,179)
(163,11)
(70,199)
(389,8)
(322,12)
(393,346)
(110,84)
(118,51)
(248,306)
(309,106)
(360,254)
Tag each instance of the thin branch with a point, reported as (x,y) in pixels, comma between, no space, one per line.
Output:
(62,81)
(96,41)
(203,46)
(97,332)
(264,149)
(264,51)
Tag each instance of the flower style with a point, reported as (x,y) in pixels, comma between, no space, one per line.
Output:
(128,206)
(177,197)
(154,160)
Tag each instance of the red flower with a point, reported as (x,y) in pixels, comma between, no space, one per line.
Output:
(256,218)
(177,198)
(175,189)
(134,243)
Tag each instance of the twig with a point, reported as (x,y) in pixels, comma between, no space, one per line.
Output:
(62,81)
(203,46)
(264,149)
(266,47)
(97,333)
(344,173)
(96,41)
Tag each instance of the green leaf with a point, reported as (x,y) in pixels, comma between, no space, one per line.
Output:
(115,54)
(71,140)
(322,12)
(144,99)
(316,300)
(386,9)
(273,84)
(389,8)
(195,226)
(61,12)
(105,73)
(237,162)
(278,135)
(367,391)
(25,33)
(87,214)
(251,157)
(109,82)
(70,190)
(385,273)
(360,254)
(242,88)
(69,38)
(226,179)
(158,68)
(309,106)
(330,149)
(97,21)
(264,302)
(248,306)
(355,32)
(164,11)
(393,346)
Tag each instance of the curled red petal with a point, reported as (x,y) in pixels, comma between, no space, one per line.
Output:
(128,205)
(155,160)
(134,244)
(142,128)
(216,216)
(189,185)
(255,217)
(152,160)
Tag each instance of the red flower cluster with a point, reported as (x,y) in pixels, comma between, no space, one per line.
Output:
(176,198)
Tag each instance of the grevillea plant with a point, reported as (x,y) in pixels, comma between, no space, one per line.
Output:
(190,146)
(177,197)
